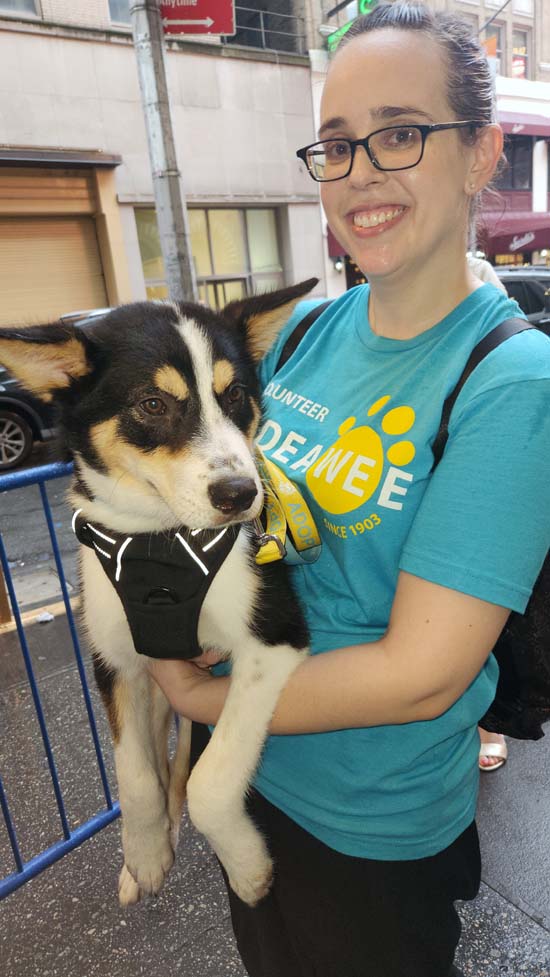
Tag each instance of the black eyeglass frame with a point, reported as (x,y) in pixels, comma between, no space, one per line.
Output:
(424,131)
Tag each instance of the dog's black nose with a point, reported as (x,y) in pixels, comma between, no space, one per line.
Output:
(232,494)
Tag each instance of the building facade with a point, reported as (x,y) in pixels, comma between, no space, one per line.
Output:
(77,218)
(77,213)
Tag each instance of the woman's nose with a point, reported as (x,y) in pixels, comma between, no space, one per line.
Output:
(363,170)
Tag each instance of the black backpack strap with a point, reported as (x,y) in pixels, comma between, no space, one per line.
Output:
(510,327)
(299,332)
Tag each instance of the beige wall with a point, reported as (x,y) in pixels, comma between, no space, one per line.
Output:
(237,122)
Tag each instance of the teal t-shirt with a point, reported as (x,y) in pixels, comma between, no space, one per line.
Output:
(350,419)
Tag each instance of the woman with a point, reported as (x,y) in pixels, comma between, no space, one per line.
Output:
(368,785)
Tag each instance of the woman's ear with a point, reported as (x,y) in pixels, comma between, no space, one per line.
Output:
(485,154)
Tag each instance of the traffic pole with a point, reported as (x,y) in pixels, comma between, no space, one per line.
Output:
(171,211)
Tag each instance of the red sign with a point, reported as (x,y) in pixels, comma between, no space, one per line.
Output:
(198,16)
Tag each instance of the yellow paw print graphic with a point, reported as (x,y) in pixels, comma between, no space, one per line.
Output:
(350,471)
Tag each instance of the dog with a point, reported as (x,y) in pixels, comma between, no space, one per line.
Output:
(159,406)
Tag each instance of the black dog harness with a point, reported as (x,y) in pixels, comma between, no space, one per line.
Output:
(162,580)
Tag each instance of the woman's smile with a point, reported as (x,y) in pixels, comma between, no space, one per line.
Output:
(371,221)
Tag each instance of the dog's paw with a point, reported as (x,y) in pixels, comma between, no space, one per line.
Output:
(251,888)
(149,862)
(129,892)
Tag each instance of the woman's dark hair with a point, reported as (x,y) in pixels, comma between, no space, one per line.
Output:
(470,90)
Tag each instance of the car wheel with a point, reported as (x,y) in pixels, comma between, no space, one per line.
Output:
(16,440)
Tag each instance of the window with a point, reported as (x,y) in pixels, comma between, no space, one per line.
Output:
(520,54)
(535,296)
(19,6)
(268,24)
(120,11)
(235,252)
(523,7)
(151,258)
(516,291)
(494,45)
(510,259)
(530,295)
(518,172)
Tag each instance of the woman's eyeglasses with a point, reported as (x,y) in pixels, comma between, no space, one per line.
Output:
(392,148)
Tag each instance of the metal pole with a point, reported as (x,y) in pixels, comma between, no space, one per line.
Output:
(262,28)
(170,204)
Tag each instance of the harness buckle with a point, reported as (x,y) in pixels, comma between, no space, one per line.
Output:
(266,538)
(263,538)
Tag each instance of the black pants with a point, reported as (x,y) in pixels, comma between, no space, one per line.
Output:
(333,915)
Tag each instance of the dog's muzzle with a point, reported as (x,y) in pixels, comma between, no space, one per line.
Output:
(232,495)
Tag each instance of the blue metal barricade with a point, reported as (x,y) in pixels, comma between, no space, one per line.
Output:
(71,838)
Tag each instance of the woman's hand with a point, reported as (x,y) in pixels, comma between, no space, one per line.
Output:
(189,686)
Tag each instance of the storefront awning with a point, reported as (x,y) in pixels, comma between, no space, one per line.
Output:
(17,156)
(514,232)
(524,124)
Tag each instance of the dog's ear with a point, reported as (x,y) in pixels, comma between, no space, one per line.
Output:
(45,359)
(262,317)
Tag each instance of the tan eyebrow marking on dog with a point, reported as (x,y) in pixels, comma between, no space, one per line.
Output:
(224,373)
(168,379)
(253,426)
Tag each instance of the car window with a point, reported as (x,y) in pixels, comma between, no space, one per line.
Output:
(534,292)
(516,291)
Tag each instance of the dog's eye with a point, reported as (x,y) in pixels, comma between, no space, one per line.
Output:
(154,406)
(234,395)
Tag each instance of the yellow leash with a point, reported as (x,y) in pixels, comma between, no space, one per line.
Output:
(290,529)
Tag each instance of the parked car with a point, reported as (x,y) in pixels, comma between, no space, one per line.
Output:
(530,287)
(23,418)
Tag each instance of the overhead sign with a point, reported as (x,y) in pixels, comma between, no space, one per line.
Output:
(363,7)
(198,16)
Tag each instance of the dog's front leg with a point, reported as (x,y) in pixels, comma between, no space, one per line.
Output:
(217,787)
(146,842)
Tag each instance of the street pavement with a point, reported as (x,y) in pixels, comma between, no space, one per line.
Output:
(67,920)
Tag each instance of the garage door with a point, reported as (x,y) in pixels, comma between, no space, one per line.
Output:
(48,266)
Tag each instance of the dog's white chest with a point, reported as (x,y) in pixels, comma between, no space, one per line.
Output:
(226,613)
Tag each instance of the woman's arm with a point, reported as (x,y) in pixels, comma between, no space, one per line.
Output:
(436,643)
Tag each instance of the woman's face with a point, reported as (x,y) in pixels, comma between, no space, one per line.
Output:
(382,79)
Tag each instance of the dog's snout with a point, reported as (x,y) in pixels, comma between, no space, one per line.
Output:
(233,495)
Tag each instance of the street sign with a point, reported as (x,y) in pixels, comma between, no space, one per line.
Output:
(363,7)
(198,16)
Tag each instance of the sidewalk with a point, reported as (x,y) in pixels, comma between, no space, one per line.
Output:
(67,920)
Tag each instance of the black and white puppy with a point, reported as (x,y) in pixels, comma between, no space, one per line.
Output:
(159,405)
